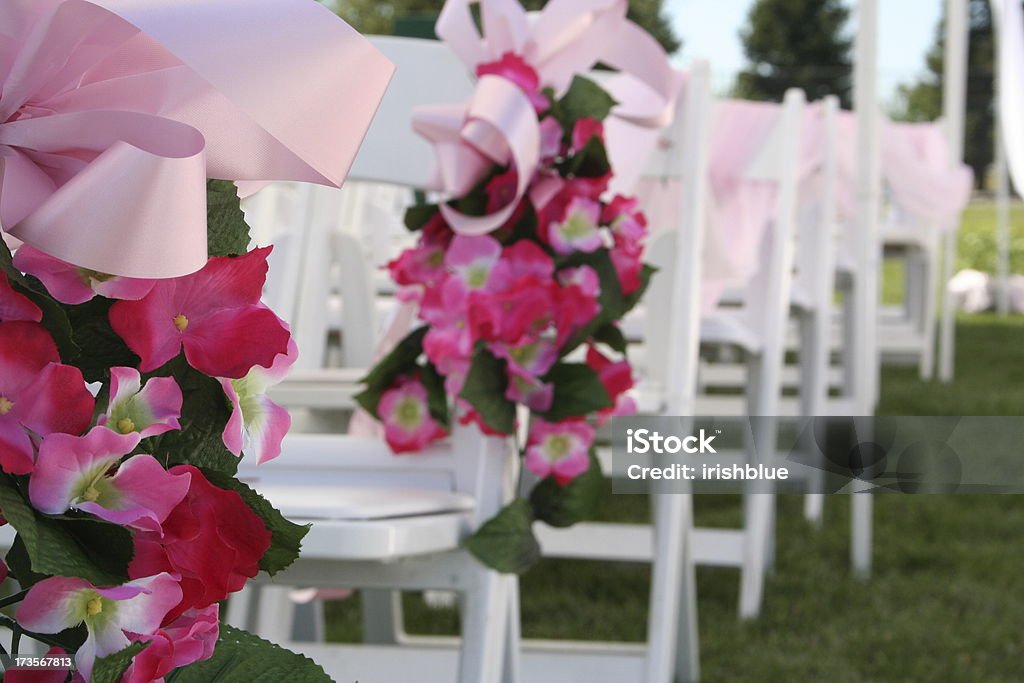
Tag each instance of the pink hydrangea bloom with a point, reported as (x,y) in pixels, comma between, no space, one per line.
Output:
(188,639)
(559,449)
(37,394)
(76,472)
(149,410)
(73,285)
(579,228)
(514,68)
(16,306)
(583,130)
(408,425)
(258,425)
(137,607)
(214,314)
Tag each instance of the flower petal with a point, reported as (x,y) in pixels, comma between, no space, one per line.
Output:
(231,342)
(16,306)
(15,448)
(67,463)
(58,402)
(50,605)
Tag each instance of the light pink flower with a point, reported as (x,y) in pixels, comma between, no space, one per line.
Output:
(37,394)
(472,259)
(188,639)
(423,264)
(579,229)
(627,221)
(75,472)
(559,449)
(514,68)
(137,607)
(16,306)
(532,357)
(550,139)
(258,425)
(214,314)
(150,410)
(583,130)
(408,425)
(73,285)
(530,391)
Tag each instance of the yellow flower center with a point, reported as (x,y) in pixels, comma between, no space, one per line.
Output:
(125,425)
(91,494)
(5,405)
(94,607)
(181,322)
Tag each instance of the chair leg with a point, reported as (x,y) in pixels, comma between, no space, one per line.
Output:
(276,614)
(382,616)
(862,508)
(814,364)
(666,581)
(513,638)
(757,523)
(240,608)
(485,623)
(688,642)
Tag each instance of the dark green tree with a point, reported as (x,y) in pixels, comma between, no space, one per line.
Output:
(417,16)
(796,43)
(922,101)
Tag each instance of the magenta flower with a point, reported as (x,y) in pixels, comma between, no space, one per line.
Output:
(472,260)
(150,410)
(73,285)
(188,639)
(408,425)
(629,265)
(137,607)
(530,391)
(501,190)
(75,472)
(617,379)
(38,395)
(522,259)
(522,310)
(627,221)
(16,306)
(583,130)
(579,229)
(258,425)
(514,68)
(532,357)
(559,449)
(424,264)
(214,314)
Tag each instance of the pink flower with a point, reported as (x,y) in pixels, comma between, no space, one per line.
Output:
(75,472)
(583,130)
(73,285)
(627,221)
(559,449)
(531,357)
(258,425)
(526,258)
(617,378)
(629,264)
(37,394)
(579,228)
(472,259)
(188,639)
(501,190)
(577,300)
(408,425)
(150,410)
(449,349)
(514,68)
(137,607)
(530,391)
(522,309)
(423,264)
(551,134)
(16,306)
(214,314)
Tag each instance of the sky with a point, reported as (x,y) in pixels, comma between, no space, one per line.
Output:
(710,29)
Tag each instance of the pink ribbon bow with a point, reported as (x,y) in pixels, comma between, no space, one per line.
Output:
(567,38)
(114,112)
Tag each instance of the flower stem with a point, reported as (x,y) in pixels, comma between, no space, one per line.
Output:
(41,637)
(11,599)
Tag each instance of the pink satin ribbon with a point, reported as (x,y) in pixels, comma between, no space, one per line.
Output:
(567,38)
(114,113)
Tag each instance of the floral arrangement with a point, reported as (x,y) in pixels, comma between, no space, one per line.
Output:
(525,316)
(124,405)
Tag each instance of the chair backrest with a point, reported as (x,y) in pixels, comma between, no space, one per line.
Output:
(682,159)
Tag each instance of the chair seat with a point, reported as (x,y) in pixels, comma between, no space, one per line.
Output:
(354,503)
(727,327)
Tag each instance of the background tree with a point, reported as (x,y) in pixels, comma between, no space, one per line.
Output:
(417,16)
(922,101)
(796,43)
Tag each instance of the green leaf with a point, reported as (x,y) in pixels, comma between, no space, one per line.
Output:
(241,656)
(110,669)
(577,501)
(401,360)
(584,99)
(417,215)
(68,546)
(591,161)
(101,347)
(437,396)
(611,336)
(578,392)
(506,542)
(20,564)
(646,273)
(285,536)
(227,233)
(484,389)
(55,320)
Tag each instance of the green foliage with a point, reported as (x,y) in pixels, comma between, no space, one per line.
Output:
(506,542)
(484,389)
(285,536)
(922,101)
(101,347)
(227,233)
(796,44)
(111,668)
(401,360)
(577,501)
(241,656)
(584,99)
(82,547)
(577,392)
(417,215)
